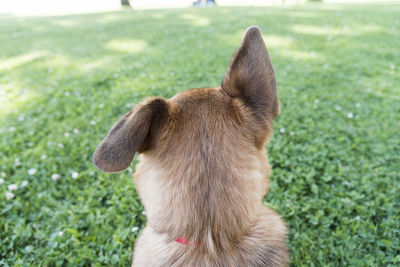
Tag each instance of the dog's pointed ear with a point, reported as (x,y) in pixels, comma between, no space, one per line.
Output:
(134,131)
(250,76)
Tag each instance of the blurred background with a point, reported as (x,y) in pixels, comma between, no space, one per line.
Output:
(49,7)
(70,69)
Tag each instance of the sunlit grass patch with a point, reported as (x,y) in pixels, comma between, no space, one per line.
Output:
(127,46)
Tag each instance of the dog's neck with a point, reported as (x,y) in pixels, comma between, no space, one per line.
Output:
(210,203)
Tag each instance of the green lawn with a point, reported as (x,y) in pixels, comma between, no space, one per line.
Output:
(335,152)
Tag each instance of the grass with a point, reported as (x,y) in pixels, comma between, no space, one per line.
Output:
(335,152)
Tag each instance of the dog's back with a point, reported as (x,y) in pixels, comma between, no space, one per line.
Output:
(203,171)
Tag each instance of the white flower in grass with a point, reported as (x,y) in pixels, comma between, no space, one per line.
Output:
(21,117)
(12,187)
(101,106)
(134,229)
(1,180)
(358,105)
(55,176)
(17,162)
(31,132)
(66,134)
(282,130)
(291,133)
(3,174)
(346,183)
(76,131)
(12,129)
(350,115)
(392,66)
(43,156)
(74,174)
(60,145)
(144,212)
(31,171)
(92,122)
(337,108)
(60,234)
(67,93)
(9,195)
(24,183)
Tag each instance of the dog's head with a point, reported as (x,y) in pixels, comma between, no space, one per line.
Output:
(209,121)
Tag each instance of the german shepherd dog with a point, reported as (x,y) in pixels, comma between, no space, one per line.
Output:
(203,170)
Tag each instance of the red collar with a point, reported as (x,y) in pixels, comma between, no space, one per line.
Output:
(183,241)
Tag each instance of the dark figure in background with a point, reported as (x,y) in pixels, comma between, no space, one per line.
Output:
(125,3)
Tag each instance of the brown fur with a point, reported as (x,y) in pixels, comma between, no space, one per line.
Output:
(203,171)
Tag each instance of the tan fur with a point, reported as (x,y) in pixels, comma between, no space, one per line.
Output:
(203,171)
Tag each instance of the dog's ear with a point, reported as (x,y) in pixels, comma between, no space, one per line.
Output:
(250,76)
(135,131)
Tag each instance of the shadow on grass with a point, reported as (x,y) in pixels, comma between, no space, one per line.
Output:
(86,45)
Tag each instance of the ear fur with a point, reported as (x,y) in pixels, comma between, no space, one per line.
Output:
(250,76)
(134,131)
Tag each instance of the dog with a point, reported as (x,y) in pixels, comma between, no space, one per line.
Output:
(203,170)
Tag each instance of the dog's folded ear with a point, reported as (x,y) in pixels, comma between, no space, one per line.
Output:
(134,131)
(250,76)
